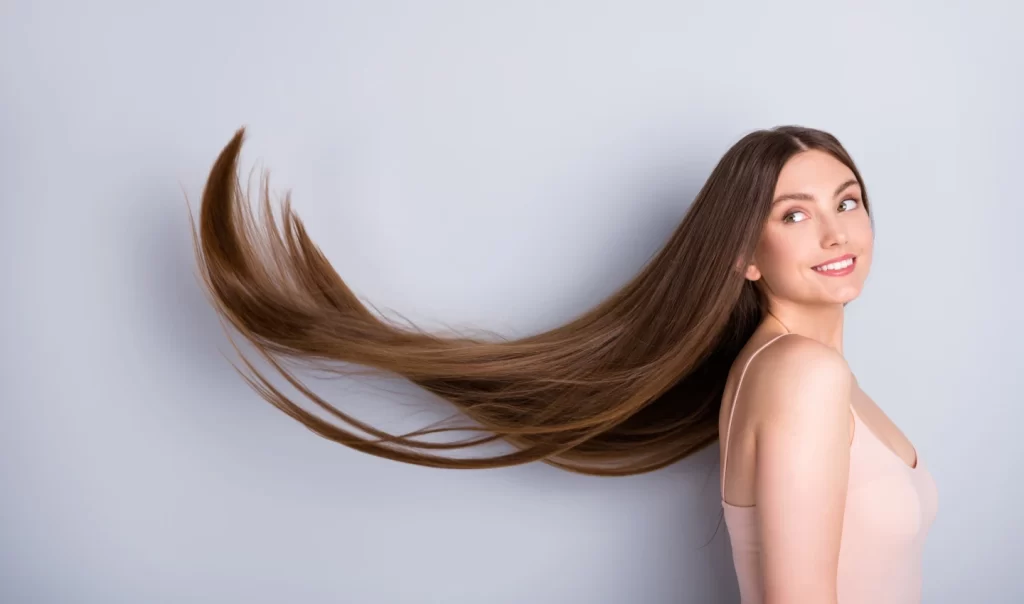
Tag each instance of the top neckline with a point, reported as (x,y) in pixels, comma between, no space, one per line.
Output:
(858,424)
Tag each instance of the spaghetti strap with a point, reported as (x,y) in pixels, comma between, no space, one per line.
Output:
(732,410)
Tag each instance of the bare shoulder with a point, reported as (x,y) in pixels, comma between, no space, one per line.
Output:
(802,465)
(796,375)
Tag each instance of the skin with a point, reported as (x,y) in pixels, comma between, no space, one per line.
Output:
(789,449)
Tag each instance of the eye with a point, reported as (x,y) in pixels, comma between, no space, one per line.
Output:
(791,217)
(850,201)
(848,204)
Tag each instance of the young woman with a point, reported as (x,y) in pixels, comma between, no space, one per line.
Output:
(734,329)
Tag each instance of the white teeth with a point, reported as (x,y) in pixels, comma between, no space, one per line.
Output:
(834,266)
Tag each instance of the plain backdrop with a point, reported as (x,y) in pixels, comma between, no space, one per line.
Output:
(478,165)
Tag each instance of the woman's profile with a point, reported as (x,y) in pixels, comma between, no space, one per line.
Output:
(731,333)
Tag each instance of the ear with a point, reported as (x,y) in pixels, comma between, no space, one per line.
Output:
(750,271)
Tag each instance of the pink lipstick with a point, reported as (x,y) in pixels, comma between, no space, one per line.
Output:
(837,267)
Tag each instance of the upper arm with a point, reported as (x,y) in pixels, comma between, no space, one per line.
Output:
(803,464)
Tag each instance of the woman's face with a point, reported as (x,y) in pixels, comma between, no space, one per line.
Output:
(817,225)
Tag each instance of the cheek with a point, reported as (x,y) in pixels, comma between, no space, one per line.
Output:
(866,234)
(863,236)
(780,252)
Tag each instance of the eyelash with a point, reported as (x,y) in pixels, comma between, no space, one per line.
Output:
(787,216)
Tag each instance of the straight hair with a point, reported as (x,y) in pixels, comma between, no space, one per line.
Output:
(629,386)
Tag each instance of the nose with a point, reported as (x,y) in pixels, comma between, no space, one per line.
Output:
(833,232)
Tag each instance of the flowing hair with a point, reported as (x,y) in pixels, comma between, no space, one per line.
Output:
(630,386)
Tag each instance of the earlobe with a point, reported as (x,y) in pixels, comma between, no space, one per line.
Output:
(749,270)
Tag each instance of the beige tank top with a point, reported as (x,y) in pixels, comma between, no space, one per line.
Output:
(889,510)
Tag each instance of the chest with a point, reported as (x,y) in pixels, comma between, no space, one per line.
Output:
(881,427)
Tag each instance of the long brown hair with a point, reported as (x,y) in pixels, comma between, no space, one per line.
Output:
(630,386)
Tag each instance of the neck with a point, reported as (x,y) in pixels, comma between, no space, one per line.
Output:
(822,323)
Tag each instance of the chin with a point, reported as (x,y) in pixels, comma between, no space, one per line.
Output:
(842,296)
(846,297)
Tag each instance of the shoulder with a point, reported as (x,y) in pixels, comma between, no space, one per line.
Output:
(794,352)
(802,458)
(795,375)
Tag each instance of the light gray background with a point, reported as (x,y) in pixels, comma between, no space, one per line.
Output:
(500,165)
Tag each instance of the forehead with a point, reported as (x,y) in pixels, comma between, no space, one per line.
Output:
(810,171)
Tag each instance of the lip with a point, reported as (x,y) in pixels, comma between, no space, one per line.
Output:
(840,272)
(839,259)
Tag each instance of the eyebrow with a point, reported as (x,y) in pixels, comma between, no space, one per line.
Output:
(809,197)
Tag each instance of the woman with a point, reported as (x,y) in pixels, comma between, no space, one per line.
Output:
(734,328)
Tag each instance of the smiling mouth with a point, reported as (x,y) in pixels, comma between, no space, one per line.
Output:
(841,267)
